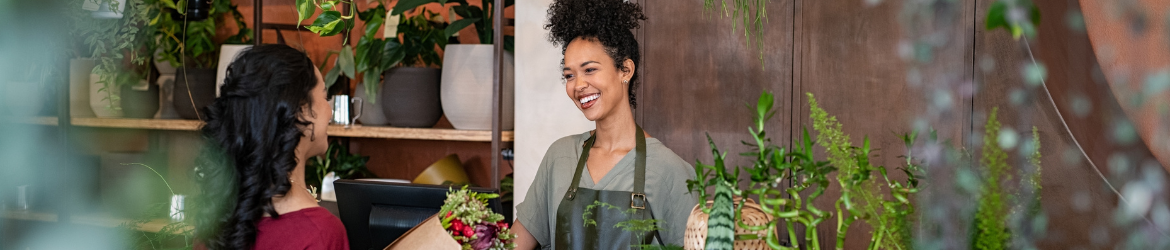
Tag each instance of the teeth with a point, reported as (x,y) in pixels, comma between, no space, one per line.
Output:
(590,98)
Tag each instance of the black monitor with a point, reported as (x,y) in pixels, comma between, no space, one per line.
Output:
(376,213)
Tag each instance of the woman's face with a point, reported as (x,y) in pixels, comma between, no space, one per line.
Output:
(319,114)
(592,80)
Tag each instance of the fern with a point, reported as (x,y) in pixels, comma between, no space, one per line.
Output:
(858,196)
(991,232)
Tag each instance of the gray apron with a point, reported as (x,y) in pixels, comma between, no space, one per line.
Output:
(572,231)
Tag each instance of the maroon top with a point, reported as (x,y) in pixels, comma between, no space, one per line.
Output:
(310,228)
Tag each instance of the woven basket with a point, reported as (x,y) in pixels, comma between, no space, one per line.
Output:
(696,234)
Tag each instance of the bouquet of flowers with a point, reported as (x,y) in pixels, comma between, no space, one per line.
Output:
(466,217)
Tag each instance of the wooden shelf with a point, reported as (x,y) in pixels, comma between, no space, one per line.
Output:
(356,131)
(152,226)
(151,124)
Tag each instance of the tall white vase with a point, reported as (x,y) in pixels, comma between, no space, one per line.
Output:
(227,55)
(466,90)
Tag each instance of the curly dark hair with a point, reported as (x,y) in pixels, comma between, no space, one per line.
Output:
(251,134)
(610,22)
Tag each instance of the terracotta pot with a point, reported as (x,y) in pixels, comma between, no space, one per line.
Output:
(1139,55)
(410,97)
(194,90)
(467,87)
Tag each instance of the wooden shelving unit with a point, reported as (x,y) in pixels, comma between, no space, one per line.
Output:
(97,220)
(356,131)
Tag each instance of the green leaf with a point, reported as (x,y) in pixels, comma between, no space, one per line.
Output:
(345,61)
(371,79)
(404,5)
(363,49)
(996,16)
(373,25)
(326,23)
(392,54)
(458,25)
(169,3)
(305,9)
(331,77)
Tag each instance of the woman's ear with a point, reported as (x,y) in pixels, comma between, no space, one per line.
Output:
(628,70)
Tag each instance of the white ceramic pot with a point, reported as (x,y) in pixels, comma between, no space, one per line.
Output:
(99,99)
(103,11)
(227,55)
(79,71)
(466,89)
(372,114)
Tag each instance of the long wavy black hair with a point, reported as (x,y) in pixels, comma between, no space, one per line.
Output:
(251,134)
(608,21)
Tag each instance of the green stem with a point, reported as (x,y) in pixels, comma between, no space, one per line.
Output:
(156,173)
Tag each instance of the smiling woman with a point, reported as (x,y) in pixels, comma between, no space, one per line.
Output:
(622,165)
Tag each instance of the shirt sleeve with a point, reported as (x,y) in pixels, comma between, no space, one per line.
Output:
(678,212)
(533,211)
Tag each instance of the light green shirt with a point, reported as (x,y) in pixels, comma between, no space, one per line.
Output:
(666,188)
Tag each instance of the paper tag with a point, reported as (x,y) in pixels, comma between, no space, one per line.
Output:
(390,27)
(90,5)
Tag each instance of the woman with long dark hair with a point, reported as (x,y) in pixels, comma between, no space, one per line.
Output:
(271,116)
(617,163)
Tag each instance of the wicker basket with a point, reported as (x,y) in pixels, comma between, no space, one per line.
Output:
(696,234)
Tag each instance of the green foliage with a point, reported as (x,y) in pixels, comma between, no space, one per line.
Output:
(340,161)
(176,232)
(120,46)
(991,231)
(415,42)
(193,40)
(482,18)
(998,17)
(750,13)
(859,199)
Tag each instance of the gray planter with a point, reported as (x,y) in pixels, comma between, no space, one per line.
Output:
(372,113)
(138,102)
(410,97)
(201,83)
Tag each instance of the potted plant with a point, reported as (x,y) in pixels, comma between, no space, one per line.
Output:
(468,73)
(185,41)
(118,46)
(407,53)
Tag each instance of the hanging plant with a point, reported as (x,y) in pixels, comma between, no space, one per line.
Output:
(751,13)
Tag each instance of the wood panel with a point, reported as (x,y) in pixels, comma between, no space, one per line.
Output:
(698,74)
(850,60)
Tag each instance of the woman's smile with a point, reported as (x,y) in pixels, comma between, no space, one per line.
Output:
(587,100)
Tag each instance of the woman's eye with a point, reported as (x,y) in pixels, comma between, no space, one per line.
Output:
(568,76)
(590,70)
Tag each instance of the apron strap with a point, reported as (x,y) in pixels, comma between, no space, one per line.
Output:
(638,197)
(572,192)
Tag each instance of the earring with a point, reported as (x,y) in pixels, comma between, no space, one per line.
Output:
(626,81)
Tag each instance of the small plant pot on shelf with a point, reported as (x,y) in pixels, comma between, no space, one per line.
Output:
(194,90)
(410,97)
(467,87)
(99,99)
(140,100)
(372,114)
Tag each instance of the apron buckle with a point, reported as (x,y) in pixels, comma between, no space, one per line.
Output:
(572,192)
(634,198)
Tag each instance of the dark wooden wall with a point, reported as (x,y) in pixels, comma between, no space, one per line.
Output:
(698,74)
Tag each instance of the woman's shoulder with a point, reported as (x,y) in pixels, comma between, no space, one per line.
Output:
(568,145)
(658,154)
(306,227)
